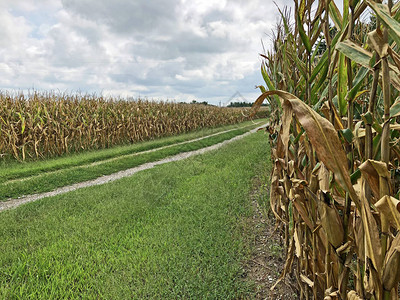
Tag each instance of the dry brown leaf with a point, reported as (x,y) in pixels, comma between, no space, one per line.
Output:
(297,243)
(376,42)
(274,195)
(352,295)
(323,137)
(371,233)
(307,280)
(359,239)
(374,171)
(395,57)
(302,210)
(391,273)
(323,178)
(286,121)
(331,222)
(390,207)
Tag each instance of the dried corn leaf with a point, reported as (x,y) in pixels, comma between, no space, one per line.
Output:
(323,178)
(374,172)
(297,243)
(298,203)
(355,52)
(286,121)
(323,137)
(390,207)
(352,295)
(331,222)
(377,43)
(395,108)
(391,273)
(371,233)
(384,15)
(307,280)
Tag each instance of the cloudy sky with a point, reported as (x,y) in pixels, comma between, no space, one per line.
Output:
(160,49)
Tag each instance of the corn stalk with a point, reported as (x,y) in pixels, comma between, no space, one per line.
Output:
(42,125)
(336,147)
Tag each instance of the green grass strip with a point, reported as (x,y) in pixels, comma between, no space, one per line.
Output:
(171,232)
(49,181)
(10,170)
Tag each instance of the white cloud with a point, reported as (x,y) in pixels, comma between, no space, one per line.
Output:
(175,49)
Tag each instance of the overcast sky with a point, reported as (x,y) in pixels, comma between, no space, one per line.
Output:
(162,49)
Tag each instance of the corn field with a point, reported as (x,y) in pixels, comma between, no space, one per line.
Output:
(332,79)
(43,125)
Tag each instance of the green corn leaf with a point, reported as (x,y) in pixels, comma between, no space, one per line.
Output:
(314,55)
(346,5)
(342,84)
(302,9)
(355,176)
(317,86)
(262,88)
(300,65)
(347,135)
(395,109)
(355,52)
(270,85)
(357,83)
(304,38)
(319,66)
(368,118)
(285,24)
(383,13)
(355,2)
(335,15)
(396,6)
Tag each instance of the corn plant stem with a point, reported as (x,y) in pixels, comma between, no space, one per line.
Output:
(360,282)
(305,257)
(299,282)
(314,258)
(385,147)
(371,110)
(296,145)
(386,295)
(350,126)
(302,259)
(287,233)
(329,49)
(328,265)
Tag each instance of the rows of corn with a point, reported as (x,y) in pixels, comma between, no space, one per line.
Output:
(333,79)
(43,125)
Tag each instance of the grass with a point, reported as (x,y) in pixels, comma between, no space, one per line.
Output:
(36,177)
(12,169)
(175,231)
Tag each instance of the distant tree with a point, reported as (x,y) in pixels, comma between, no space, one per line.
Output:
(322,42)
(195,102)
(242,104)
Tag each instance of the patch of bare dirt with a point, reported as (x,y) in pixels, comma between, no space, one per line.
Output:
(268,257)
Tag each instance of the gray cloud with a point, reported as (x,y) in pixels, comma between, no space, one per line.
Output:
(127,17)
(175,49)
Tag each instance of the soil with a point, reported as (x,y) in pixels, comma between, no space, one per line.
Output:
(268,257)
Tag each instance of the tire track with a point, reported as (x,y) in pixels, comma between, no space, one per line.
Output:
(13,203)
